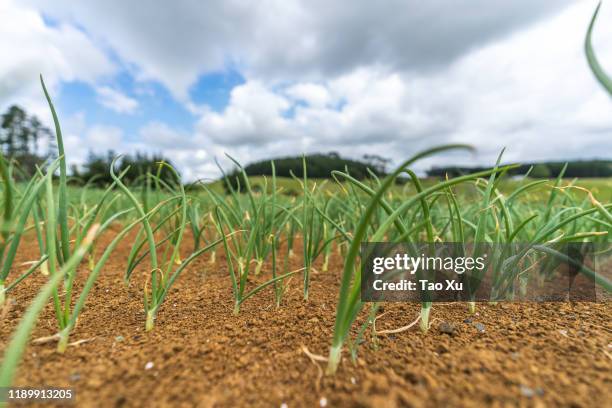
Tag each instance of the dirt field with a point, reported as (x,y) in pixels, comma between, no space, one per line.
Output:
(201,355)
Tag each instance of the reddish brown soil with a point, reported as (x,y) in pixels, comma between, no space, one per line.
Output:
(202,355)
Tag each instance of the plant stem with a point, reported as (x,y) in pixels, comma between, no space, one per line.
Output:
(44,268)
(424,322)
(62,344)
(325,262)
(150,322)
(258,266)
(335,353)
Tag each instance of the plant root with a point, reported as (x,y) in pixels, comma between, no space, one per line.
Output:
(393,331)
(315,359)
(46,339)
(6,308)
(82,341)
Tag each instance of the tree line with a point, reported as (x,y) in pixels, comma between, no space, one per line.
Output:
(22,134)
(552,169)
(20,137)
(318,165)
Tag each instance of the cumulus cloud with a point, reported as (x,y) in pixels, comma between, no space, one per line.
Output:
(312,94)
(81,139)
(104,137)
(255,115)
(174,42)
(358,113)
(116,100)
(389,78)
(184,150)
(531,92)
(30,47)
(161,135)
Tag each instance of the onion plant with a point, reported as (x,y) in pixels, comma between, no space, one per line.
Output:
(315,239)
(19,339)
(15,217)
(165,270)
(63,198)
(237,252)
(56,248)
(603,78)
(349,303)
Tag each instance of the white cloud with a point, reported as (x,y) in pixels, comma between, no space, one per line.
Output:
(30,47)
(254,115)
(175,42)
(359,113)
(104,137)
(531,92)
(80,139)
(188,154)
(312,94)
(388,78)
(160,135)
(115,100)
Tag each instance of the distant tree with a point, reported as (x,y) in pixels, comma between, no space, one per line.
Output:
(20,134)
(37,131)
(97,168)
(317,166)
(577,168)
(377,162)
(540,170)
(13,129)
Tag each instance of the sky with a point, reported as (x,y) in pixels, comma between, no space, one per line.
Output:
(196,80)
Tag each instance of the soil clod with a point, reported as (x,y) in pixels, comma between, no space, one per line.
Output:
(447,328)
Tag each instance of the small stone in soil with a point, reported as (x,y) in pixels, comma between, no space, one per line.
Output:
(442,349)
(480,327)
(149,365)
(323,402)
(468,320)
(526,391)
(75,376)
(447,328)
(119,338)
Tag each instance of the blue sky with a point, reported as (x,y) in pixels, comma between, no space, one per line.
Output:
(154,100)
(195,80)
